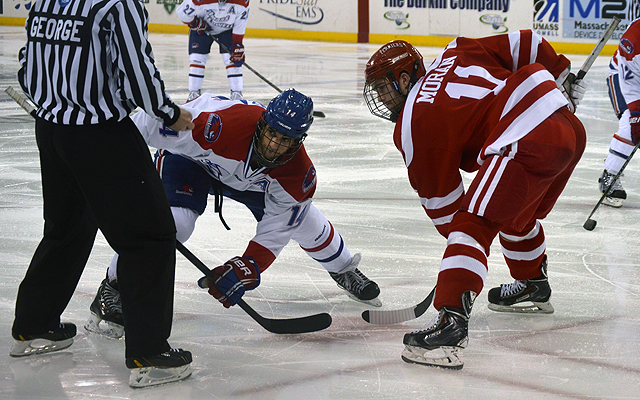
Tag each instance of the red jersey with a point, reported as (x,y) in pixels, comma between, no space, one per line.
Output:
(476,99)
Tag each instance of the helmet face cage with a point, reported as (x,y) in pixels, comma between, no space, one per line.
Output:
(273,149)
(383,99)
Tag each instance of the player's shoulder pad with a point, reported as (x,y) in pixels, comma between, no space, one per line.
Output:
(203,2)
(298,176)
(244,3)
(629,45)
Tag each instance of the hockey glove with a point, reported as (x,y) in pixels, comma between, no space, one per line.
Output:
(573,91)
(199,25)
(237,54)
(634,121)
(232,279)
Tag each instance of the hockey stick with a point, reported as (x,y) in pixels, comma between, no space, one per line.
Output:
(597,49)
(389,317)
(22,102)
(590,224)
(259,75)
(311,323)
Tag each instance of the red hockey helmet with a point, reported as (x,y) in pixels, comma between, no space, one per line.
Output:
(388,63)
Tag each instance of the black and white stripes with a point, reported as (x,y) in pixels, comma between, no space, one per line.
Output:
(89,61)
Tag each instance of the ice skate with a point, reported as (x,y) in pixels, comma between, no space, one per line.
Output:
(528,296)
(440,342)
(106,312)
(616,194)
(236,95)
(54,340)
(356,284)
(171,366)
(194,94)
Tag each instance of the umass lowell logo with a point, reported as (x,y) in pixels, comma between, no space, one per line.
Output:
(309,179)
(213,127)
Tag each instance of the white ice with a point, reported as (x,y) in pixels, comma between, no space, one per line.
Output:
(588,349)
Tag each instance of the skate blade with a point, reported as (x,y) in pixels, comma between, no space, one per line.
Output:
(104,328)
(613,202)
(153,376)
(441,357)
(373,302)
(22,348)
(534,307)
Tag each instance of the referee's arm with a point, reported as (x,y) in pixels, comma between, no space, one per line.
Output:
(143,83)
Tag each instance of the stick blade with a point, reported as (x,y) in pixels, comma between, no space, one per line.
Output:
(390,317)
(319,114)
(310,323)
(589,224)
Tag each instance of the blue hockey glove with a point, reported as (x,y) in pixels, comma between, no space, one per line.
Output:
(233,278)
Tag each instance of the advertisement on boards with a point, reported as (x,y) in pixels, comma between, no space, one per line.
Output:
(472,18)
(582,21)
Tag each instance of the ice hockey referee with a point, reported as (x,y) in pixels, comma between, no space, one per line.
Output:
(86,65)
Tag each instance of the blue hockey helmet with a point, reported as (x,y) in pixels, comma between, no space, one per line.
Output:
(290,113)
(282,128)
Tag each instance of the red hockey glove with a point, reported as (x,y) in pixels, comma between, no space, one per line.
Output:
(237,54)
(233,278)
(199,25)
(634,121)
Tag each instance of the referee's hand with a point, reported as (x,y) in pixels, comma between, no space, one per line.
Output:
(184,121)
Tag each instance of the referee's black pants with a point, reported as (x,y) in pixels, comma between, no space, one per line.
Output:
(101,177)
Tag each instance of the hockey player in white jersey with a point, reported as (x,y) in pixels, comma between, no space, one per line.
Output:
(623,83)
(226,20)
(240,150)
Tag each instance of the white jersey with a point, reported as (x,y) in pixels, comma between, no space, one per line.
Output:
(232,15)
(626,63)
(222,143)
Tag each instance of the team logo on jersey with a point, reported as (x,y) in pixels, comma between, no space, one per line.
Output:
(309,179)
(213,127)
(626,45)
(63,3)
(263,184)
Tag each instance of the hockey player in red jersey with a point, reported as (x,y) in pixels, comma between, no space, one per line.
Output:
(498,106)
(242,151)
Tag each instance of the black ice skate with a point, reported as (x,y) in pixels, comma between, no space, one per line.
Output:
(440,342)
(54,340)
(171,366)
(616,193)
(357,285)
(529,296)
(106,312)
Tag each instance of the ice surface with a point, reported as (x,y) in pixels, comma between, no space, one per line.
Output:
(588,349)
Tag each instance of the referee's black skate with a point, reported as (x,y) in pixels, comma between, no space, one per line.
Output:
(440,342)
(106,312)
(356,284)
(170,366)
(528,296)
(53,340)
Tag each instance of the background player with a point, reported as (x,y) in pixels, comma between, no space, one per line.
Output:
(623,83)
(490,105)
(227,21)
(255,156)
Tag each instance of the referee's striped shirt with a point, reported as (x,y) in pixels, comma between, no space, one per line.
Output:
(89,61)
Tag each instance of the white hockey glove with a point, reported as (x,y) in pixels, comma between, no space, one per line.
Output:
(573,91)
